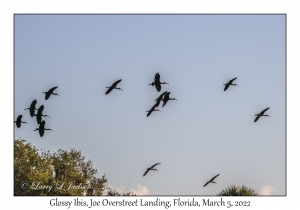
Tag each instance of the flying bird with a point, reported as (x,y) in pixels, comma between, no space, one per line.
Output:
(159,99)
(19,121)
(157,82)
(39,114)
(230,83)
(32,108)
(42,128)
(49,92)
(167,98)
(261,114)
(212,180)
(114,86)
(151,168)
(152,110)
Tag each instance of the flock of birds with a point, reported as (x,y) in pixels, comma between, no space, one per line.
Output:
(164,97)
(39,114)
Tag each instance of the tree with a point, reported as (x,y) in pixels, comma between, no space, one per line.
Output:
(29,168)
(57,173)
(237,191)
(113,192)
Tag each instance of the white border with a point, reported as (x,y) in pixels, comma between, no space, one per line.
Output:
(8,8)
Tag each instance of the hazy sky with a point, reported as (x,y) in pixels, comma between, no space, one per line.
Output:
(206,132)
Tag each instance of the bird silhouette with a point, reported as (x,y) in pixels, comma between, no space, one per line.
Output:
(261,114)
(167,98)
(113,86)
(151,168)
(211,181)
(19,121)
(230,83)
(39,114)
(42,128)
(32,108)
(157,82)
(159,99)
(50,92)
(152,110)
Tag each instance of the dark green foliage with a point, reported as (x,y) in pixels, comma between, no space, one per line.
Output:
(237,191)
(112,192)
(67,173)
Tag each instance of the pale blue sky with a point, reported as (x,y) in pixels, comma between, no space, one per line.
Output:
(206,132)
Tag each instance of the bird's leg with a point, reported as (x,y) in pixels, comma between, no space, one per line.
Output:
(157,110)
(119,89)
(48,129)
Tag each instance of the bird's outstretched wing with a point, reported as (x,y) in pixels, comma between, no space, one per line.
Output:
(157,103)
(52,89)
(109,90)
(257,117)
(231,81)
(262,112)
(146,172)
(161,96)
(115,83)
(226,86)
(40,110)
(112,86)
(206,183)
(164,103)
(151,110)
(154,165)
(166,98)
(214,177)
(48,93)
